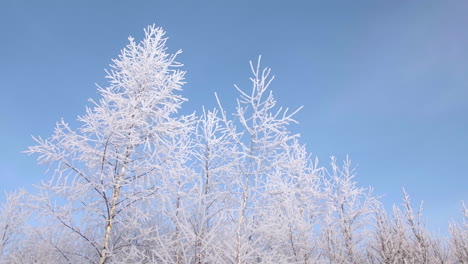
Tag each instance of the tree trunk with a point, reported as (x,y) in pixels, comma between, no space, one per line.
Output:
(110,217)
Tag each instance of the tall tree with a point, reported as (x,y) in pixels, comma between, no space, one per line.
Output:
(127,147)
(259,130)
(346,222)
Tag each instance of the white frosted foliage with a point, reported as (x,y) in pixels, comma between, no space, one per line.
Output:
(138,182)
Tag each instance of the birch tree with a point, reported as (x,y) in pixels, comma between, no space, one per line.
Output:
(346,221)
(459,238)
(215,159)
(109,169)
(259,129)
(389,242)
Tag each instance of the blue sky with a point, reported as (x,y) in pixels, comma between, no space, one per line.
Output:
(383,81)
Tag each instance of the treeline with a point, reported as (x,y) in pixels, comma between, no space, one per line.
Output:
(139,183)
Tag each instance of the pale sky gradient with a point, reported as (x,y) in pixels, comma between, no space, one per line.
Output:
(383,81)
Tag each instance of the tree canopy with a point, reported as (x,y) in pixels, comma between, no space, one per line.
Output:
(138,182)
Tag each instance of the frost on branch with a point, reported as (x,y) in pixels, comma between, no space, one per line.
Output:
(13,217)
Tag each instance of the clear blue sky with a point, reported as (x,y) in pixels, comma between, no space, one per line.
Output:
(383,81)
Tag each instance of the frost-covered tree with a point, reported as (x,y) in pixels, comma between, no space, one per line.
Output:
(403,238)
(259,130)
(214,163)
(419,250)
(128,149)
(459,238)
(346,221)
